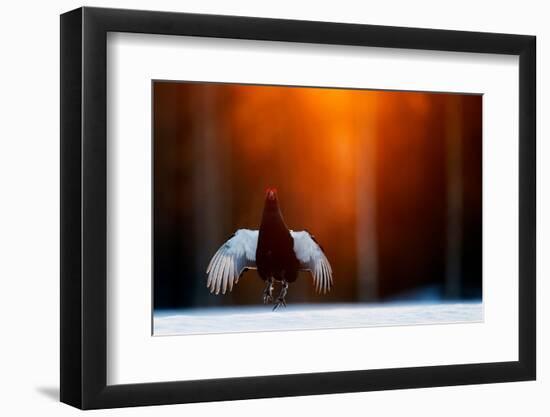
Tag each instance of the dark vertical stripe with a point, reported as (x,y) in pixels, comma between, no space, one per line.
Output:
(70,262)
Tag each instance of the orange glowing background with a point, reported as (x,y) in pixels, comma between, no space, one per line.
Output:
(388,182)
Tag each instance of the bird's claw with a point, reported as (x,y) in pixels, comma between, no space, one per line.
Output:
(280,302)
(267,298)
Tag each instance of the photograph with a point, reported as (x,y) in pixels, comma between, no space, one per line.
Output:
(279,208)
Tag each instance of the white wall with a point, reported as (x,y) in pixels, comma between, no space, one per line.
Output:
(29,209)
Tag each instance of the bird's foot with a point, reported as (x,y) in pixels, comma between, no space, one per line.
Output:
(268,292)
(280,302)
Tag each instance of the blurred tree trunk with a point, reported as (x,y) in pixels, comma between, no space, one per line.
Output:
(367,247)
(209,198)
(453,141)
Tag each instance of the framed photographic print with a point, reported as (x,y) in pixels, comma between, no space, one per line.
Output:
(258,207)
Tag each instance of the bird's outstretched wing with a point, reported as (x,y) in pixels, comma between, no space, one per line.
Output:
(231,259)
(313,259)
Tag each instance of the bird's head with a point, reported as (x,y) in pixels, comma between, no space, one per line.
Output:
(272,211)
(271,199)
(271,194)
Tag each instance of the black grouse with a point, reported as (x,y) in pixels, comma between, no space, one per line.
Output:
(275,251)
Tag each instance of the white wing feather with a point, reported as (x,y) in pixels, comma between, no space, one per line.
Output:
(231,259)
(313,259)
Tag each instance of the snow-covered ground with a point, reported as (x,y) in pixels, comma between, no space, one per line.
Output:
(301,317)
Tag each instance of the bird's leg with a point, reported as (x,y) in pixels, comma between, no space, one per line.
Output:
(281,298)
(268,291)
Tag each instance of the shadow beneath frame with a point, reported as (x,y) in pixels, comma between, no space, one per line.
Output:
(50,392)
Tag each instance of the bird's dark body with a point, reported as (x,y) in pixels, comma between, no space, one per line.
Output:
(275,256)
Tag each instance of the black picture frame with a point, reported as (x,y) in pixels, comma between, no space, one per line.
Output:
(84,197)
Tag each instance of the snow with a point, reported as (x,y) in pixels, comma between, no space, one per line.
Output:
(316,316)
